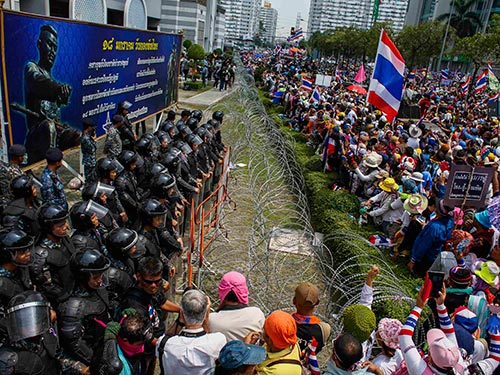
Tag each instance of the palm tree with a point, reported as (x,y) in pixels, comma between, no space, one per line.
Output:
(464,17)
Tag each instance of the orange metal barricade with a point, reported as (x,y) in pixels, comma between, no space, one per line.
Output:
(204,216)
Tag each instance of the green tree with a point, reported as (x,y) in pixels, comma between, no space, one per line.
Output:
(195,52)
(419,43)
(464,18)
(186,44)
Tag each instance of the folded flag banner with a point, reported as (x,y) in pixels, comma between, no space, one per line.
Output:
(386,85)
(307,84)
(481,81)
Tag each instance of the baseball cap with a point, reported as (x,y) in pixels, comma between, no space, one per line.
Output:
(53,155)
(116,119)
(307,294)
(236,353)
(17,150)
(443,352)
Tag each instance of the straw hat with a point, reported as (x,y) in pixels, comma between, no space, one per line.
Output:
(415,204)
(388,185)
(371,162)
(415,131)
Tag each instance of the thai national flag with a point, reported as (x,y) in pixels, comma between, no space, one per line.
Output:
(493,98)
(316,95)
(296,36)
(445,74)
(307,84)
(411,75)
(481,82)
(338,76)
(465,85)
(277,49)
(386,85)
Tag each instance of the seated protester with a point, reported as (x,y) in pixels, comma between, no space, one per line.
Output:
(368,175)
(21,213)
(308,325)
(431,240)
(234,318)
(389,360)
(467,331)
(283,352)
(483,235)
(444,355)
(487,276)
(123,345)
(193,351)
(385,214)
(148,297)
(458,287)
(237,357)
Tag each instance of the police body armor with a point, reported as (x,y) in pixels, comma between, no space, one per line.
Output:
(11,286)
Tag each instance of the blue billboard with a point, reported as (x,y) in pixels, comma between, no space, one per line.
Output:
(57,72)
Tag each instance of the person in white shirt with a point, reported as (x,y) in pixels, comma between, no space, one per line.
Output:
(194,350)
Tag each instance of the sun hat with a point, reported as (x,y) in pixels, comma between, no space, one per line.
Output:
(359,321)
(388,330)
(307,294)
(461,276)
(417,176)
(466,319)
(234,282)
(443,352)
(236,353)
(388,185)
(281,329)
(483,219)
(488,272)
(370,161)
(415,131)
(415,204)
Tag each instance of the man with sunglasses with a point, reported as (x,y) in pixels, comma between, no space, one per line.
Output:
(148,298)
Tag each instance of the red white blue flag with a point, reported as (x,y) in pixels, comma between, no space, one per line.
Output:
(493,98)
(481,81)
(307,84)
(465,85)
(386,85)
(316,95)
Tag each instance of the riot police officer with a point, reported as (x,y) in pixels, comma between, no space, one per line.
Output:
(15,257)
(50,270)
(185,182)
(83,316)
(197,115)
(107,170)
(86,226)
(169,122)
(127,188)
(34,347)
(21,213)
(121,244)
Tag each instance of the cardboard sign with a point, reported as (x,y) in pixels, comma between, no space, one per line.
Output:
(322,80)
(467,183)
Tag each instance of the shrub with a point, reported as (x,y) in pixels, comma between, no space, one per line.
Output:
(188,85)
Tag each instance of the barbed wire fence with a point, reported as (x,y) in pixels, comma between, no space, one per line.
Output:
(268,187)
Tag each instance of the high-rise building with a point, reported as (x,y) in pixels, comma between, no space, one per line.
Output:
(268,19)
(331,14)
(241,20)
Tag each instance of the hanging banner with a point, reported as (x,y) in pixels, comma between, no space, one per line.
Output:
(56,73)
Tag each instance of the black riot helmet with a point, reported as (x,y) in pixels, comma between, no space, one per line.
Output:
(81,218)
(192,123)
(151,208)
(22,186)
(127,158)
(185,130)
(218,115)
(183,146)
(215,124)
(144,146)
(119,242)
(194,139)
(28,316)
(12,241)
(162,184)
(162,135)
(197,114)
(51,214)
(172,160)
(171,129)
(87,263)
(106,165)
(96,189)
(157,169)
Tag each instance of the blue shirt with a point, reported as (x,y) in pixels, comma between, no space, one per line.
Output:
(429,243)
(53,189)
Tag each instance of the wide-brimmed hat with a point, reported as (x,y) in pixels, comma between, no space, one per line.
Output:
(483,218)
(388,185)
(236,353)
(417,176)
(415,131)
(488,272)
(415,204)
(371,162)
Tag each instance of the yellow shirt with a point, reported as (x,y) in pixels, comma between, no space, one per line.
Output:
(281,368)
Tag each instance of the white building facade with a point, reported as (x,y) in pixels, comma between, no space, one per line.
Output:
(241,20)
(268,18)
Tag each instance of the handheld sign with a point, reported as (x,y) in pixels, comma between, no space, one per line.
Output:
(467,186)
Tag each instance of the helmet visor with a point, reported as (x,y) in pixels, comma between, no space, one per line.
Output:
(28,320)
(118,166)
(186,149)
(103,188)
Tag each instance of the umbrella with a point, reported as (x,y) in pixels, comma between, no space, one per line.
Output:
(358,89)
(494,212)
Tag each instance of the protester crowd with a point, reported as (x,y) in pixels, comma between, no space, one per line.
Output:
(219,69)
(83,286)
